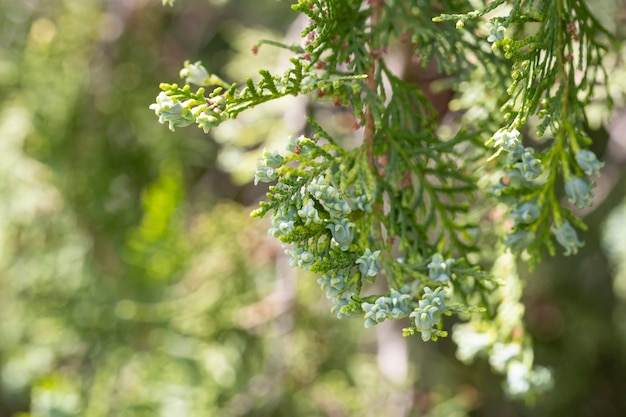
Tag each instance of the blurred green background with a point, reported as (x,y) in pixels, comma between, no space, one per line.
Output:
(134,283)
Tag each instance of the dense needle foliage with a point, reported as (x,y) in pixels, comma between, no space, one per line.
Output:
(427,210)
(133,281)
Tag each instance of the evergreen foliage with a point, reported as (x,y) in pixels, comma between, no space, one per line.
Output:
(436,212)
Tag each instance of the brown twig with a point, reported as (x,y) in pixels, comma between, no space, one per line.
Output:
(370,128)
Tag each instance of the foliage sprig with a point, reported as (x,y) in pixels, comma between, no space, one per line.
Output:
(554,67)
(397,227)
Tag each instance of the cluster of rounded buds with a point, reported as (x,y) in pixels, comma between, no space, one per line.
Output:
(528,167)
(329,196)
(525,213)
(343,306)
(266,167)
(334,283)
(505,139)
(183,113)
(520,160)
(588,162)
(496,34)
(429,312)
(361,202)
(282,223)
(567,237)
(375,313)
(300,258)
(523,166)
(578,191)
(264,173)
(314,223)
(369,265)
(321,203)
(393,307)
(206,121)
(172,112)
(309,213)
(439,270)
(194,73)
(273,159)
(342,231)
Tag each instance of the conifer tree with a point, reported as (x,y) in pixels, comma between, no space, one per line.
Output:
(439,213)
